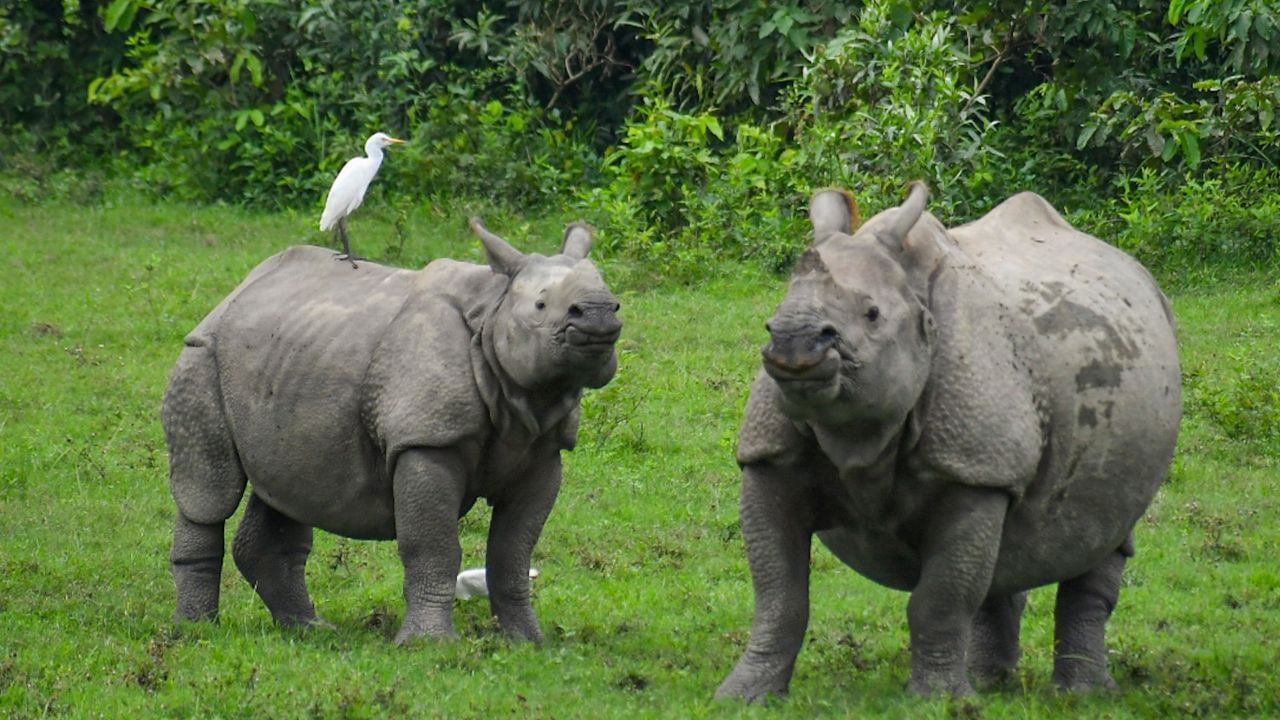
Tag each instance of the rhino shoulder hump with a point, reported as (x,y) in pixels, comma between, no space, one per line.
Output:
(1028,206)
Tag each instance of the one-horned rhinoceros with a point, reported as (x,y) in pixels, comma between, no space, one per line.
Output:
(381,404)
(963,414)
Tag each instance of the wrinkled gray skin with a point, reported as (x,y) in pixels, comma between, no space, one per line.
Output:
(381,404)
(961,414)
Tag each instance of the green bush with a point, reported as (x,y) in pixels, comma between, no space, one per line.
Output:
(1185,225)
(877,106)
(687,131)
(262,102)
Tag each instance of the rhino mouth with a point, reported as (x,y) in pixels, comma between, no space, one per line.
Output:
(591,341)
(814,371)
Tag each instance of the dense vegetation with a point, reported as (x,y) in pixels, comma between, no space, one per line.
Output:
(685,130)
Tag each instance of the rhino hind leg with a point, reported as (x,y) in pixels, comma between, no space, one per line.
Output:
(271,550)
(196,562)
(206,480)
(1080,621)
(994,648)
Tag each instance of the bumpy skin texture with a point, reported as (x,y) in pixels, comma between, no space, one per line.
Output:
(963,415)
(382,403)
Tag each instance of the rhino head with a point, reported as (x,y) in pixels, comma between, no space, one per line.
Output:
(557,324)
(852,339)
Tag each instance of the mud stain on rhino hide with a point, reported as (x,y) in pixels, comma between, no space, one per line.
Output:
(1087,417)
(1066,316)
(1098,375)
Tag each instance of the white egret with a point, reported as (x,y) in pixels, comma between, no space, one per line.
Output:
(347,191)
(474,583)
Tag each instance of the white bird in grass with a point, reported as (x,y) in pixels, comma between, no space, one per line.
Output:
(472,583)
(347,191)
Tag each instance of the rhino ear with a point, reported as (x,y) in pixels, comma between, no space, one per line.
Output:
(832,211)
(577,240)
(906,215)
(503,258)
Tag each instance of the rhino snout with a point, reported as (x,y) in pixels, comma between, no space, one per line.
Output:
(797,352)
(593,324)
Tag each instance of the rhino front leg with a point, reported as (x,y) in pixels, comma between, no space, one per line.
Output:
(994,652)
(514,530)
(1080,623)
(271,552)
(958,559)
(777,525)
(428,490)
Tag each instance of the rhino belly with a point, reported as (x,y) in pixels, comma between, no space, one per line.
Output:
(878,556)
(335,483)
(295,419)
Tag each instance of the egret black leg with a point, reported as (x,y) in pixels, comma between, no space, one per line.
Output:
(346,245)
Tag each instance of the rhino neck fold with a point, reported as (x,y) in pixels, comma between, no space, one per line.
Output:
(860,448)
(513,410)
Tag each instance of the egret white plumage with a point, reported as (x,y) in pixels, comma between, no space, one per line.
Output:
(475,583)
(347,191)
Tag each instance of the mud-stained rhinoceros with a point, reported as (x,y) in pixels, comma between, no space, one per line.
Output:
(963,414)
(381,403)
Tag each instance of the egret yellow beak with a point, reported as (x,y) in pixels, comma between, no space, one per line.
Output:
(397,141)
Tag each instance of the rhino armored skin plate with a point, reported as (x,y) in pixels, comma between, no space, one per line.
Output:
(382,403)
(962,414)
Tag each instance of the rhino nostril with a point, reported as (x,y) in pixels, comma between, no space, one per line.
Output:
(828,333)
(767,326)
(575,311)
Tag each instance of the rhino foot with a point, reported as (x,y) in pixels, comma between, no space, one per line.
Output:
(409,633)
(756,683)
(988,677)
(1082,677)
(938,684)
(315,622)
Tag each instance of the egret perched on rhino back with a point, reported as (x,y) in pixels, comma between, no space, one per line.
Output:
(347,191)
(963,414)
(382,405)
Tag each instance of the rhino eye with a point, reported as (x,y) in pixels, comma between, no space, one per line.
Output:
(540,305)
(873,313)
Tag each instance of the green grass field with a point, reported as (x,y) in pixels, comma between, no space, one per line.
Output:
(644,596)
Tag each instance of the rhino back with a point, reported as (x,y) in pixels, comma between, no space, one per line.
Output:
(292,346)
(1105,362)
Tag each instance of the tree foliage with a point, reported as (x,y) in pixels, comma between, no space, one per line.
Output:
(671,120)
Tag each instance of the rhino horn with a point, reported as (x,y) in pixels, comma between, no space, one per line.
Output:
(908,213)
(832,211)
(577,240)
(503,258)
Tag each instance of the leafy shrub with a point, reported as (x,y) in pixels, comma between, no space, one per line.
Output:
(1184,224)
(881,104)
(1228,116)
(504,148)
(49,52)
(732,54)
(262,102)
(876,106)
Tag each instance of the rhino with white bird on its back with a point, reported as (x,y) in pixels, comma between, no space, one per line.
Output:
(381,404)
